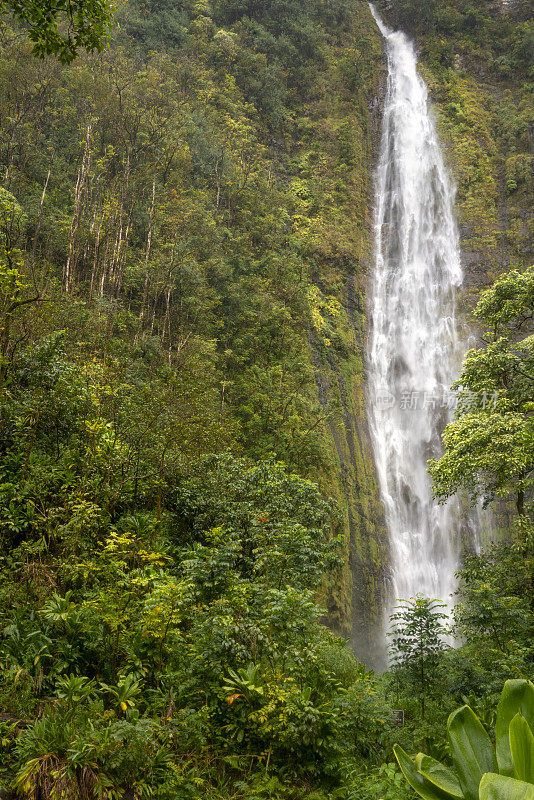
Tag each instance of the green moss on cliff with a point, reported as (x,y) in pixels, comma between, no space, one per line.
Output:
(335,229)
(478,63)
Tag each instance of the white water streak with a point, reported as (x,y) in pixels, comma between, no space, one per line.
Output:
(413,343)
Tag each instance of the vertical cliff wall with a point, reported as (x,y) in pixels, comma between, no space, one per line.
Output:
(337,338)
(476,62)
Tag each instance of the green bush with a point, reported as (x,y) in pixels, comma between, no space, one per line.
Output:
(481,772)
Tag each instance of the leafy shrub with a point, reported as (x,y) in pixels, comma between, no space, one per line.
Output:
(506,773)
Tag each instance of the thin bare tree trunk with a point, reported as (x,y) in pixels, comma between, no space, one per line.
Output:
(78,194)
(166,321)
(121,260)
(95,259)
(116,264)
(148,246)
(95,207)
(41,211)
(153,315)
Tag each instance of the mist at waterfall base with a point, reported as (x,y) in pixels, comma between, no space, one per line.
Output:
(414,347)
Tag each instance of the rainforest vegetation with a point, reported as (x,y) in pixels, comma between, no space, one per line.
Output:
(192,549)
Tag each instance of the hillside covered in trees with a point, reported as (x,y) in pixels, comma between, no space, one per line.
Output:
(193,550)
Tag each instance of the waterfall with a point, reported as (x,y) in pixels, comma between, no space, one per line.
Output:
(414,349)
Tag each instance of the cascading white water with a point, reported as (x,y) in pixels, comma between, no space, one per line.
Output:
(414,348)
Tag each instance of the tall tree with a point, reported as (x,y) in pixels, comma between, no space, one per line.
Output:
(489,447)
(417,640)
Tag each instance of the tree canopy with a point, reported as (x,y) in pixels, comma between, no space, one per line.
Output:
(62,27)
(490,444)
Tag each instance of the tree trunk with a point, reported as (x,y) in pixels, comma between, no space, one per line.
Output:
(41,211)
(78,195)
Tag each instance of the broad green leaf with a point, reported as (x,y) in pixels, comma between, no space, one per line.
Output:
(522,748)
(438,775)
(517,696)
(500,787)
(471,750)
(420,784)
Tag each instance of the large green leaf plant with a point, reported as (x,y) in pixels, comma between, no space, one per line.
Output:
(480,770)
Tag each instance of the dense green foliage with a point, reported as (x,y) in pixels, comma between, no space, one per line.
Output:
(183,230)
(168,653)
(196,195)
(62,28)
(186,488)
(489,448)
(495,612)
